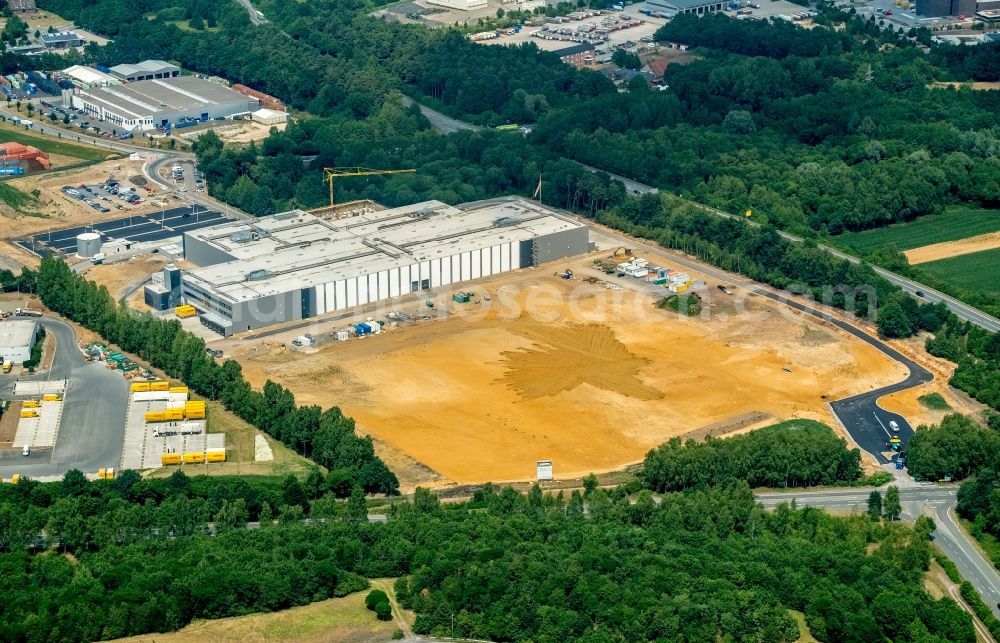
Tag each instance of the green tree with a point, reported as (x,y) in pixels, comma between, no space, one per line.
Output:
(357,506)
(892,507)
(626,59)
(875,505)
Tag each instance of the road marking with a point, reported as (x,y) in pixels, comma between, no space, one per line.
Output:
(882,425)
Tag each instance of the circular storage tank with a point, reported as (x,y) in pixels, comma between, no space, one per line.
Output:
(88,244)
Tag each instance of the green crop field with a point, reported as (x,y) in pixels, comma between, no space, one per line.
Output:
(976,271)
(52,145)
(952,225)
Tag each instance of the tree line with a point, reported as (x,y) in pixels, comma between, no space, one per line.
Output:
(594,566)
(326,436)
(799,453)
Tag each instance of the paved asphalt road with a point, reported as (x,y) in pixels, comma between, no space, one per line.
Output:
(447,125)
(936,501)
(254,18)
(92,429)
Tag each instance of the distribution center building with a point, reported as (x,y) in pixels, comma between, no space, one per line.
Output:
(295,265)
(16,339)
(163,102)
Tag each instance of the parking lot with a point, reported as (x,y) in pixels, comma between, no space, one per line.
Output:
(39,431)
(144,228)
(145,443)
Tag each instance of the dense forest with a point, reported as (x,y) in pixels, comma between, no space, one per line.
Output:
(800,453)
(324,435)
(700,566)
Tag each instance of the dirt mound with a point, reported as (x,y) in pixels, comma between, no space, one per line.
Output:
(563,358)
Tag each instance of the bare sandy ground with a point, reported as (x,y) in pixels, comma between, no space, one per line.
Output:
(568,371)
(947,249)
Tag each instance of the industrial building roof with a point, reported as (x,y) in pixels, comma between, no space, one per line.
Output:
(296,249)
(144,67)
(88,75)
(62,36)
(17,333)
(147,97)
(680,5)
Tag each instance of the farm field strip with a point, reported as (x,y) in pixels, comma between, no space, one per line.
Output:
(949,249)
(976,271)
(937,228)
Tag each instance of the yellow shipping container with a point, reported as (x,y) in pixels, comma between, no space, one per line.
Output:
(185,311)
(194,458)
(156,416)
(216,456)
(139,387)
(29,413)
(173,414)
(159,386)
(170,458)
(178,389)
(52,397)
(194,415)
(31,404)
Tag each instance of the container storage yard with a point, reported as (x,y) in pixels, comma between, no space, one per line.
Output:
(39,420)
(164,427)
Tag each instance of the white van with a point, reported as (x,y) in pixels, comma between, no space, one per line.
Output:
(894,426)
(26,451)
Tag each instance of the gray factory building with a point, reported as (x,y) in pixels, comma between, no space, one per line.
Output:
(164,289)
(295,265)
(698,7)
(17,336)
(145,70)
(163,102)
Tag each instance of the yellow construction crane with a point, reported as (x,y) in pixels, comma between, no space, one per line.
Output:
(329,173)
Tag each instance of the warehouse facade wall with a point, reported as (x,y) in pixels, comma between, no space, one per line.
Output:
(203,254)
(16,339)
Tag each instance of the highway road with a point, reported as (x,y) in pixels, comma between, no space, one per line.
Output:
(92,428)
(961,309)
(252,12)
(447,125)
(935,501)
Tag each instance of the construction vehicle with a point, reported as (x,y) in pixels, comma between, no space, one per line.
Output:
(333,172)
(621,252)
(567,274)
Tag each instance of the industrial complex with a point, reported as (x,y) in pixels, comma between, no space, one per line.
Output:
(161,102)
(296,265)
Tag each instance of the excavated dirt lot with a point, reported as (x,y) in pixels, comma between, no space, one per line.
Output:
(564,370)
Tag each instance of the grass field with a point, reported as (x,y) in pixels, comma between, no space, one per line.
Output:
(805,636)
(948,226)
(52,146)
(976,272)
(934,401)
(338,619)
(14,197)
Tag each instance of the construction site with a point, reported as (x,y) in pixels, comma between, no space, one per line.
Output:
(569,362)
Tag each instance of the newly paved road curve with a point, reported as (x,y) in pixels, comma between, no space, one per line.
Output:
(936,501)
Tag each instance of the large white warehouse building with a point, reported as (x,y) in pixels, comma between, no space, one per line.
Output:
(17,336)
(162,102)
(296,265)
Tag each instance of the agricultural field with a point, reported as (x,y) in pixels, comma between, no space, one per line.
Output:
(975,272)
(952,225)
(588,377)
(74,151)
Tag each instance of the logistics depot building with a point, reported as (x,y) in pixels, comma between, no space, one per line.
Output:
(162,102)
(296,265)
